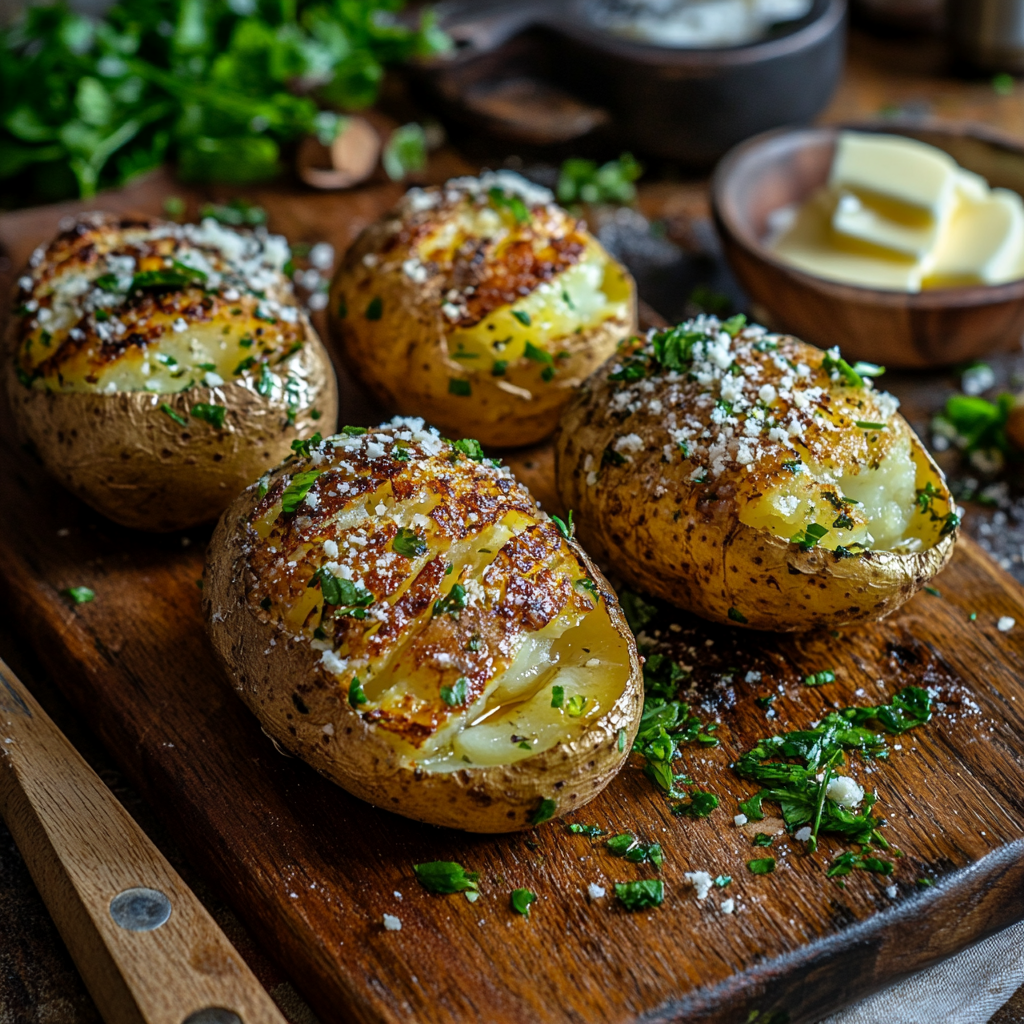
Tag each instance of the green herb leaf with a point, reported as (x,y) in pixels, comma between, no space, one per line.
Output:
(459,386)
(356,696)
(375,308)
(639,613)
(522,316)
(521,900)
(297,490)
(538,355)
(455,696)
(445,876)
(583,181)
(762,866)
(452,603)
(810,536)
(576,705)
(177,417)
(642,894)
(471,448)
(565,527)
(868,425)
(723,880)
(557,696)
(762,839)
(212,414)
(303,447)
(544,812)
(736,615)
(590,831)
(503,201)
(80,595)
(408,542)
(700,805)
(820,678)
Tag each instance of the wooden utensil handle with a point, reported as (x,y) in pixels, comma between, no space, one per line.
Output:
(147,949)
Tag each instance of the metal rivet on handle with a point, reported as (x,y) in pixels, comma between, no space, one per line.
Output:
(213,1015)
(141,910)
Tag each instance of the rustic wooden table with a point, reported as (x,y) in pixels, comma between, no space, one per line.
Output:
(38,982)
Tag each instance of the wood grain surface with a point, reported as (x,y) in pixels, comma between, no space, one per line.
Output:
(312,871)
(84,849)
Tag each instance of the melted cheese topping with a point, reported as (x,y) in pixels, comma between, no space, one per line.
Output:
(434,588)
(790,434)
(115,305)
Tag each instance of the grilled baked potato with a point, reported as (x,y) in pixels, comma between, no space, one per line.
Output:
(396,612)
(159,368)
(753,479)
(480,306)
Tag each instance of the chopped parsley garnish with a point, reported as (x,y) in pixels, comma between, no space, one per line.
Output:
(868,369)
(544,812)
(621,742)
(212,414)
(576,705)
(700,805)
(846,862)
(80,595)
(375,308)
(297,490)
(265,385)
(628,846)
(302,447)
(826,675)
(610,457)
(762,839)
(445,876)
(455,695)
(734,325)
(566,527)
(839,369)
(499,367)
(452,603)
(765,702)
(177,417)
(868,425)
(587,584)
(934,591)
(642,894)
(459,386)
(521,900)
(351,431)
(522,316)
(509,202)
(345,597)
(557,696)
(673,349)
(471,448)
(761,866)
(590,831)
(810,536)
(244,365)
(794,466)
(736,615)
(408,542)
(263,486)
(356,696)
(538,355)
(796,767)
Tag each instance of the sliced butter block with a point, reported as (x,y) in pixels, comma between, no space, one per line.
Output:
(810,244)
(856,220)
(909,173)
(983,243)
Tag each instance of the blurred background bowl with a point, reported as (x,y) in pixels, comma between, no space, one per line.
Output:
(542,73)
(939,327)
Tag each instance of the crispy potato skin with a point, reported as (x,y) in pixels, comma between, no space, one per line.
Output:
(124,453)
(403,357)
(124,456)
(305,707)
(665,535)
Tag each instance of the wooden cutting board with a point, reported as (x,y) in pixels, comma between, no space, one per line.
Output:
(312,870)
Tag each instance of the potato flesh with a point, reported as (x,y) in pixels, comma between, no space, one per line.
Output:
(526,623)
(883,515)
(588,293)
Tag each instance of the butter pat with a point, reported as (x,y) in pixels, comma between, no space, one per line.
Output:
(919,176)
(901,216)
(983,243)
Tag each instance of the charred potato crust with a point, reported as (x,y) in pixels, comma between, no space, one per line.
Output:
(396,612)
(157,369)
(753,479)
(480,306)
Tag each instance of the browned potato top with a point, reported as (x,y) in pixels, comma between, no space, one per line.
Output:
(428,579)
(791,436)
(139,305)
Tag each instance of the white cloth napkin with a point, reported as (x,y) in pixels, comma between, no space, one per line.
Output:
(966,989)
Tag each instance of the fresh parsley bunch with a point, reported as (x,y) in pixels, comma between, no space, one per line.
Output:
(217,85)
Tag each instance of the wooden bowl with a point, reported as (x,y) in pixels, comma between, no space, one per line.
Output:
(931,328)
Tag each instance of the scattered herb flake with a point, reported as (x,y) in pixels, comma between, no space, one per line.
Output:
(445,876)
(80,595)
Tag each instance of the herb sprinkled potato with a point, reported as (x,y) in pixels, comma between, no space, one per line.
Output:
(480,306)
(753,479)
(159,368)
(397,612)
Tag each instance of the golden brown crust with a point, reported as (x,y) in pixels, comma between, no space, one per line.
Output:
(259,573)
(396,301)
(661,475)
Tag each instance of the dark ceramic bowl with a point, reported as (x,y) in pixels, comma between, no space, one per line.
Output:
(540,72)
(939,327)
